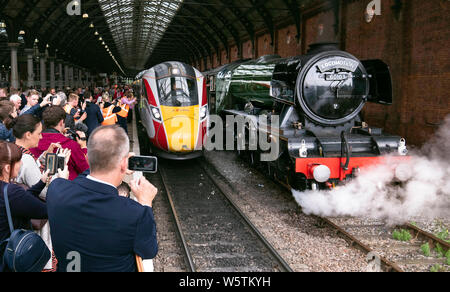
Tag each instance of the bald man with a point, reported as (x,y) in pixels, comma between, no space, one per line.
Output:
(88,218)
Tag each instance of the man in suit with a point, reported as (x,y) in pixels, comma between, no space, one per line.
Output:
(94,114)
(93,228)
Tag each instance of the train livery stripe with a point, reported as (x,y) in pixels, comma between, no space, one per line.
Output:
(151,96)
(205,93)
(161,137)
(305,165)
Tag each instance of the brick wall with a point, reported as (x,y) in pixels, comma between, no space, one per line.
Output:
(416,46)
(264,46)
(247,50)
(287,44)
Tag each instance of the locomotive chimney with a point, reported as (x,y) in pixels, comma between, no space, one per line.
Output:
(323,47)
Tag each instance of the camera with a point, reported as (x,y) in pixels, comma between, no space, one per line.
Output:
(143,164)
(72,135)
(54,162)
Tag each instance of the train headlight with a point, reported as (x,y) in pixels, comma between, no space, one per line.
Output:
(203,112)
(321,173)
(156,113)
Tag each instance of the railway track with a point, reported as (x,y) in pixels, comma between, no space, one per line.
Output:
(216,236)
(384,253)
(393,254)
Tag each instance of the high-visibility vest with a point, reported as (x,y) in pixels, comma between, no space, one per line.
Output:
(124,112)
(68,109)
(109,117)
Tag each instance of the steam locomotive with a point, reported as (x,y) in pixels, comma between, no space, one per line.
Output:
(318,99)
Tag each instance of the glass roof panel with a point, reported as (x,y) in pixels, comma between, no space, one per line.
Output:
(137,26)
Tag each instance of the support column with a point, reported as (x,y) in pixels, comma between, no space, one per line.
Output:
(71,77)
(30,69)
(66,76)
(52,73)
(80,77)
(14,65)
(60,75)
(43,68)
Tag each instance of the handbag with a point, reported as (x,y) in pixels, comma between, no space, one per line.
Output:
(25,250)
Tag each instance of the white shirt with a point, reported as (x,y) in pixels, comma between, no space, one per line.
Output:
(100,181)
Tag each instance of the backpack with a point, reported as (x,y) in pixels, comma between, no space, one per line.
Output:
(24,251)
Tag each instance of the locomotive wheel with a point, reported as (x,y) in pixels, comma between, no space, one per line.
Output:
(298,182)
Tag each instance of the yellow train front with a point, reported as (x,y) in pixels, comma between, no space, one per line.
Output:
(174,110)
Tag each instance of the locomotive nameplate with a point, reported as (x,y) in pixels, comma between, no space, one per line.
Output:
(338,63)
(336,77)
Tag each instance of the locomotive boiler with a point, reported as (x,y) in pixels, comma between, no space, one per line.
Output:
(318,99)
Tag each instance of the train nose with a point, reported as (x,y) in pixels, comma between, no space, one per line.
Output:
(182,133)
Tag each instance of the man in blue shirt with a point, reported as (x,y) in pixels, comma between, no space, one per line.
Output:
(88,218)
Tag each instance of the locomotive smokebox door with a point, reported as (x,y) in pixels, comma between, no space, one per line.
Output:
(380,82)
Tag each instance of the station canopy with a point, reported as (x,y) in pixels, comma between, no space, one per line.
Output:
(128,36)
(137,26)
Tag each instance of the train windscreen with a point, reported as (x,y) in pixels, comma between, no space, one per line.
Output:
(178,92)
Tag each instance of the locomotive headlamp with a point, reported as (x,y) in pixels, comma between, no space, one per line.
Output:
(156,113)
(402,149)
(175,71)
(321,173)
(203,112)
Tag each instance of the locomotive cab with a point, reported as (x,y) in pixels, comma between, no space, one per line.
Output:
(176,110)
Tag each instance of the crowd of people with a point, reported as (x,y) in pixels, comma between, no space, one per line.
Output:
(85,207)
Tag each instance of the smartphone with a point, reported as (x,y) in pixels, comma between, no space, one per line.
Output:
(54,162)
(143,164)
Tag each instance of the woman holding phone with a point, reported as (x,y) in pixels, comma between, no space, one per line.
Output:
(27,129)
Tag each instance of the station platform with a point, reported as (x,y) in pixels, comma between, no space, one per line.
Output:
(147,265)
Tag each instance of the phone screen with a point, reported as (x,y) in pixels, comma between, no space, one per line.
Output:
(143,164)
(51,163)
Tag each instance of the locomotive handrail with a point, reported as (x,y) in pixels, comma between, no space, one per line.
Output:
(347,151)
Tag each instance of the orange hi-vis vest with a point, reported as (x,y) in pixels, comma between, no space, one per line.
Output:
(109,117)
(124,112)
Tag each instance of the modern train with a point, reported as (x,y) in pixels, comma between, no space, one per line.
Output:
(173,108)
(317,98)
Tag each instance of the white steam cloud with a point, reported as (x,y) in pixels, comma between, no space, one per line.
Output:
(424,191)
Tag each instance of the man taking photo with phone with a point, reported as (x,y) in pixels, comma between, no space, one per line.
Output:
(89,218)
(54,130)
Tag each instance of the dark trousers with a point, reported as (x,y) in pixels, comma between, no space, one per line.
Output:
(123,123)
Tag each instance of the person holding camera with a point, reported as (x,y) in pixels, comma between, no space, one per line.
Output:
(87,215)
(33,107)
(54,133)
(27,129)
(75,116)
